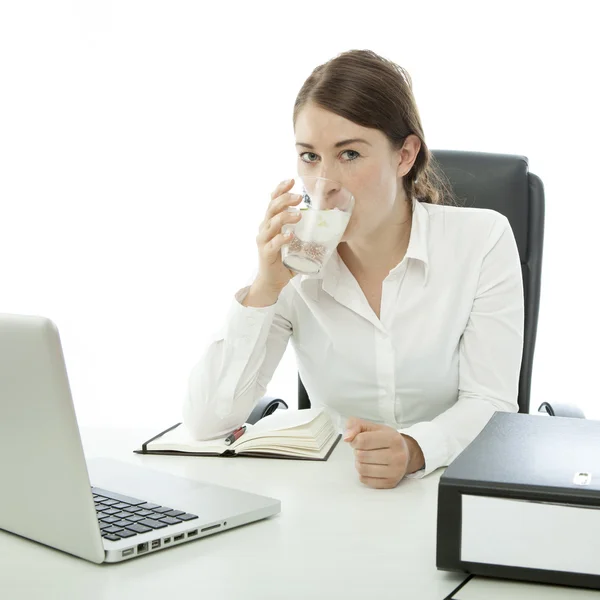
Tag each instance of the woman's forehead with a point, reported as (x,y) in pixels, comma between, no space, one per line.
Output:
(316,127)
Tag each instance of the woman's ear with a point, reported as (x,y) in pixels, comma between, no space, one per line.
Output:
(408,154)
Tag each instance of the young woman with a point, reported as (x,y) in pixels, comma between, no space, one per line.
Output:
(413,330)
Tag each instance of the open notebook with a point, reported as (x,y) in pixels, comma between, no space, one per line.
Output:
(299,434)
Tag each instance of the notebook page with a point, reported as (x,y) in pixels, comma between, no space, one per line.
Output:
(290,445)
(302,436)
(311,435)
(283,419)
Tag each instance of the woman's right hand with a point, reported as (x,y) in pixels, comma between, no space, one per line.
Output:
(273,275)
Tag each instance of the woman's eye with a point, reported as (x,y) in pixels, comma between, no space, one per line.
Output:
(312,157)
(353,152)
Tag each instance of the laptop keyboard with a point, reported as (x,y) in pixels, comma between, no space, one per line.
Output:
(124,517)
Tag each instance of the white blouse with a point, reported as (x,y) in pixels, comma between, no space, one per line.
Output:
(444,355)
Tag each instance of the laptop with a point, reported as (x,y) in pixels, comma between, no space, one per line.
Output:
(102,510)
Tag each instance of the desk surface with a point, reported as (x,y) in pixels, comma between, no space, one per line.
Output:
(334,538)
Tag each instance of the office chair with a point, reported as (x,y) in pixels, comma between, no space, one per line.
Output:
(503,183)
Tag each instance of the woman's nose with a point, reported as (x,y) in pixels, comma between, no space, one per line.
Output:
(329,193)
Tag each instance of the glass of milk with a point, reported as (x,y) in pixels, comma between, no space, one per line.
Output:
(326,208)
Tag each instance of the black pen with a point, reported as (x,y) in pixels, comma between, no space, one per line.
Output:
(232,437)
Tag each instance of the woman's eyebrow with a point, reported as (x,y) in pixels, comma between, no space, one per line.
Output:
(339,144)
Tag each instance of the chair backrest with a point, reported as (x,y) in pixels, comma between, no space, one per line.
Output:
(503,183)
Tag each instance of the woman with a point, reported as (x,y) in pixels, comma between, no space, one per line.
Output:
(413,330)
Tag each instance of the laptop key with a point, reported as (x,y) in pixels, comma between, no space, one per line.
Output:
(111,529)
(125,533)
(138,528)
(105,526)
(162,509)
(135,518)
(174,513)
(122,523)
(111,537)
(144,513)
(152,523)
(109,502)
(109,520)
(123,514)
(121,505)
(135,509)
(149,506)
(107,510)
(170,520)
(187,517)
(119,497)
(111,511)
(155,516)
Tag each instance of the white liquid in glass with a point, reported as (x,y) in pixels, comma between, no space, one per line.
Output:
(316,236)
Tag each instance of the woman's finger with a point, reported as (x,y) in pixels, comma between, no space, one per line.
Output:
(368,470)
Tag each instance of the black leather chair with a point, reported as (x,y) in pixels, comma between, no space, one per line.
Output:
(503,183)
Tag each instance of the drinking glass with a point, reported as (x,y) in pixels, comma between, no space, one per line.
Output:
(326,208)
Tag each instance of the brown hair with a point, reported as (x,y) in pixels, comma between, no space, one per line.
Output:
(373,92)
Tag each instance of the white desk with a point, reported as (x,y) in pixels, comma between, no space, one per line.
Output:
(334,538)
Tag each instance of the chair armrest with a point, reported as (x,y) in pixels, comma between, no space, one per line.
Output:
(265,406)
(561,410)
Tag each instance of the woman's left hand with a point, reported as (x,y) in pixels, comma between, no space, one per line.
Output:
(383,456)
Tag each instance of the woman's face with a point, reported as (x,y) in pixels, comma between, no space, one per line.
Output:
(369,169)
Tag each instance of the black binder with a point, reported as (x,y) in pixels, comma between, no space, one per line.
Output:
(527,467)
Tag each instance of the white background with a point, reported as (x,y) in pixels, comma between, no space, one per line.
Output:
(140,141)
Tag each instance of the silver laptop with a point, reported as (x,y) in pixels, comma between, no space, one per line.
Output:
(103,510)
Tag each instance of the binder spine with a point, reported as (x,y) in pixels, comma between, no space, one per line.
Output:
(449,525)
